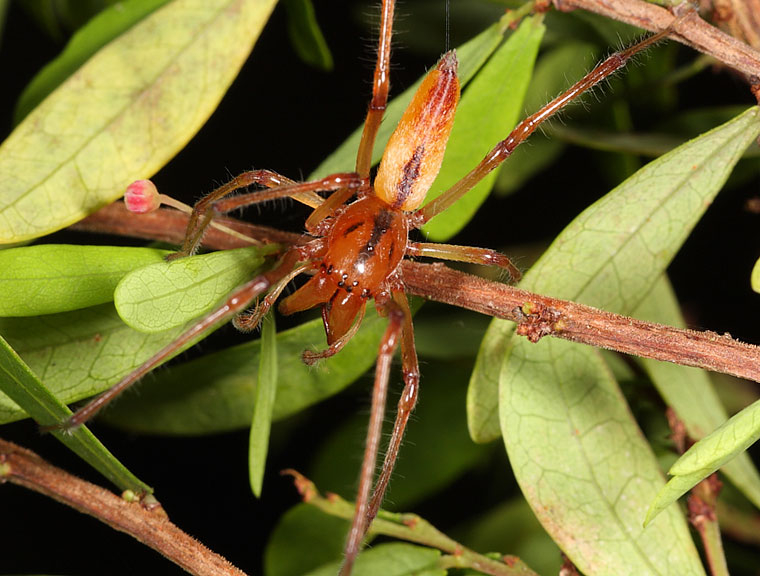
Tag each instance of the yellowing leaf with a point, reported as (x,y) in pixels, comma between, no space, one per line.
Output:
(123,114)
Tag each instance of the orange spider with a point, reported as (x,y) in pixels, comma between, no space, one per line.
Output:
(354,249)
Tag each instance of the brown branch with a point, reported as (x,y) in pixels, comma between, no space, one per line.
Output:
(540,316)
(690,29)
(536,315)
(148,524)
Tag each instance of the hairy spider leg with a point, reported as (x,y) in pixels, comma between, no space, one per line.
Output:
(397,187)
(361,518)
(410,370)
(526,127)
(468,254)
(237,302)
(380,88)
(276,186)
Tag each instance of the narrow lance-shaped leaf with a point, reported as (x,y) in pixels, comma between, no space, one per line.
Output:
(472,55)
(706,456)
(123,114)
(266,390)
(690,391)
(305,35)
(489,109)
(50,278)
(23,386)
(576,451)
(169,294)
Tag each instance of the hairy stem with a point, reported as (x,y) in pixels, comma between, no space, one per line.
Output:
(411,528)
(690,29)
(144,520)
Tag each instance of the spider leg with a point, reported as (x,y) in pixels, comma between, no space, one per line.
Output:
(217,202)
(248,321)
(360,523)
(380,87)
(411,373)
(198,218)
(468,254)
(504,149)
(236,302)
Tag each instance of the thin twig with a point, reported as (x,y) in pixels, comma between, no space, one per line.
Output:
(690,30)
(411,528)
(537,315)
(146,523)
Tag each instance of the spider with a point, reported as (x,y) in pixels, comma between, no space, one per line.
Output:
(355,241)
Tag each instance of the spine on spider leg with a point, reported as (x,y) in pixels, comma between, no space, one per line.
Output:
(415,151)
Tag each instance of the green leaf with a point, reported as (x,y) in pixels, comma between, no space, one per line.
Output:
(573,445)
(489,109)
(472,55)
(23,386)
(100,30)
(78,354)
(123,114)
(395,559)
(169,294)
(690,392)
(583,465)
(611,255)
(266,390)
(216,393)
(706,456)
(599,258)
(755,279)
(318,537)
(52,278)
(483,388)
(672,491)
(305,35)
(455,334)
(551,76)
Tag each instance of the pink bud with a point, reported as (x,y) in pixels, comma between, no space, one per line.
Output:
(141,197)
